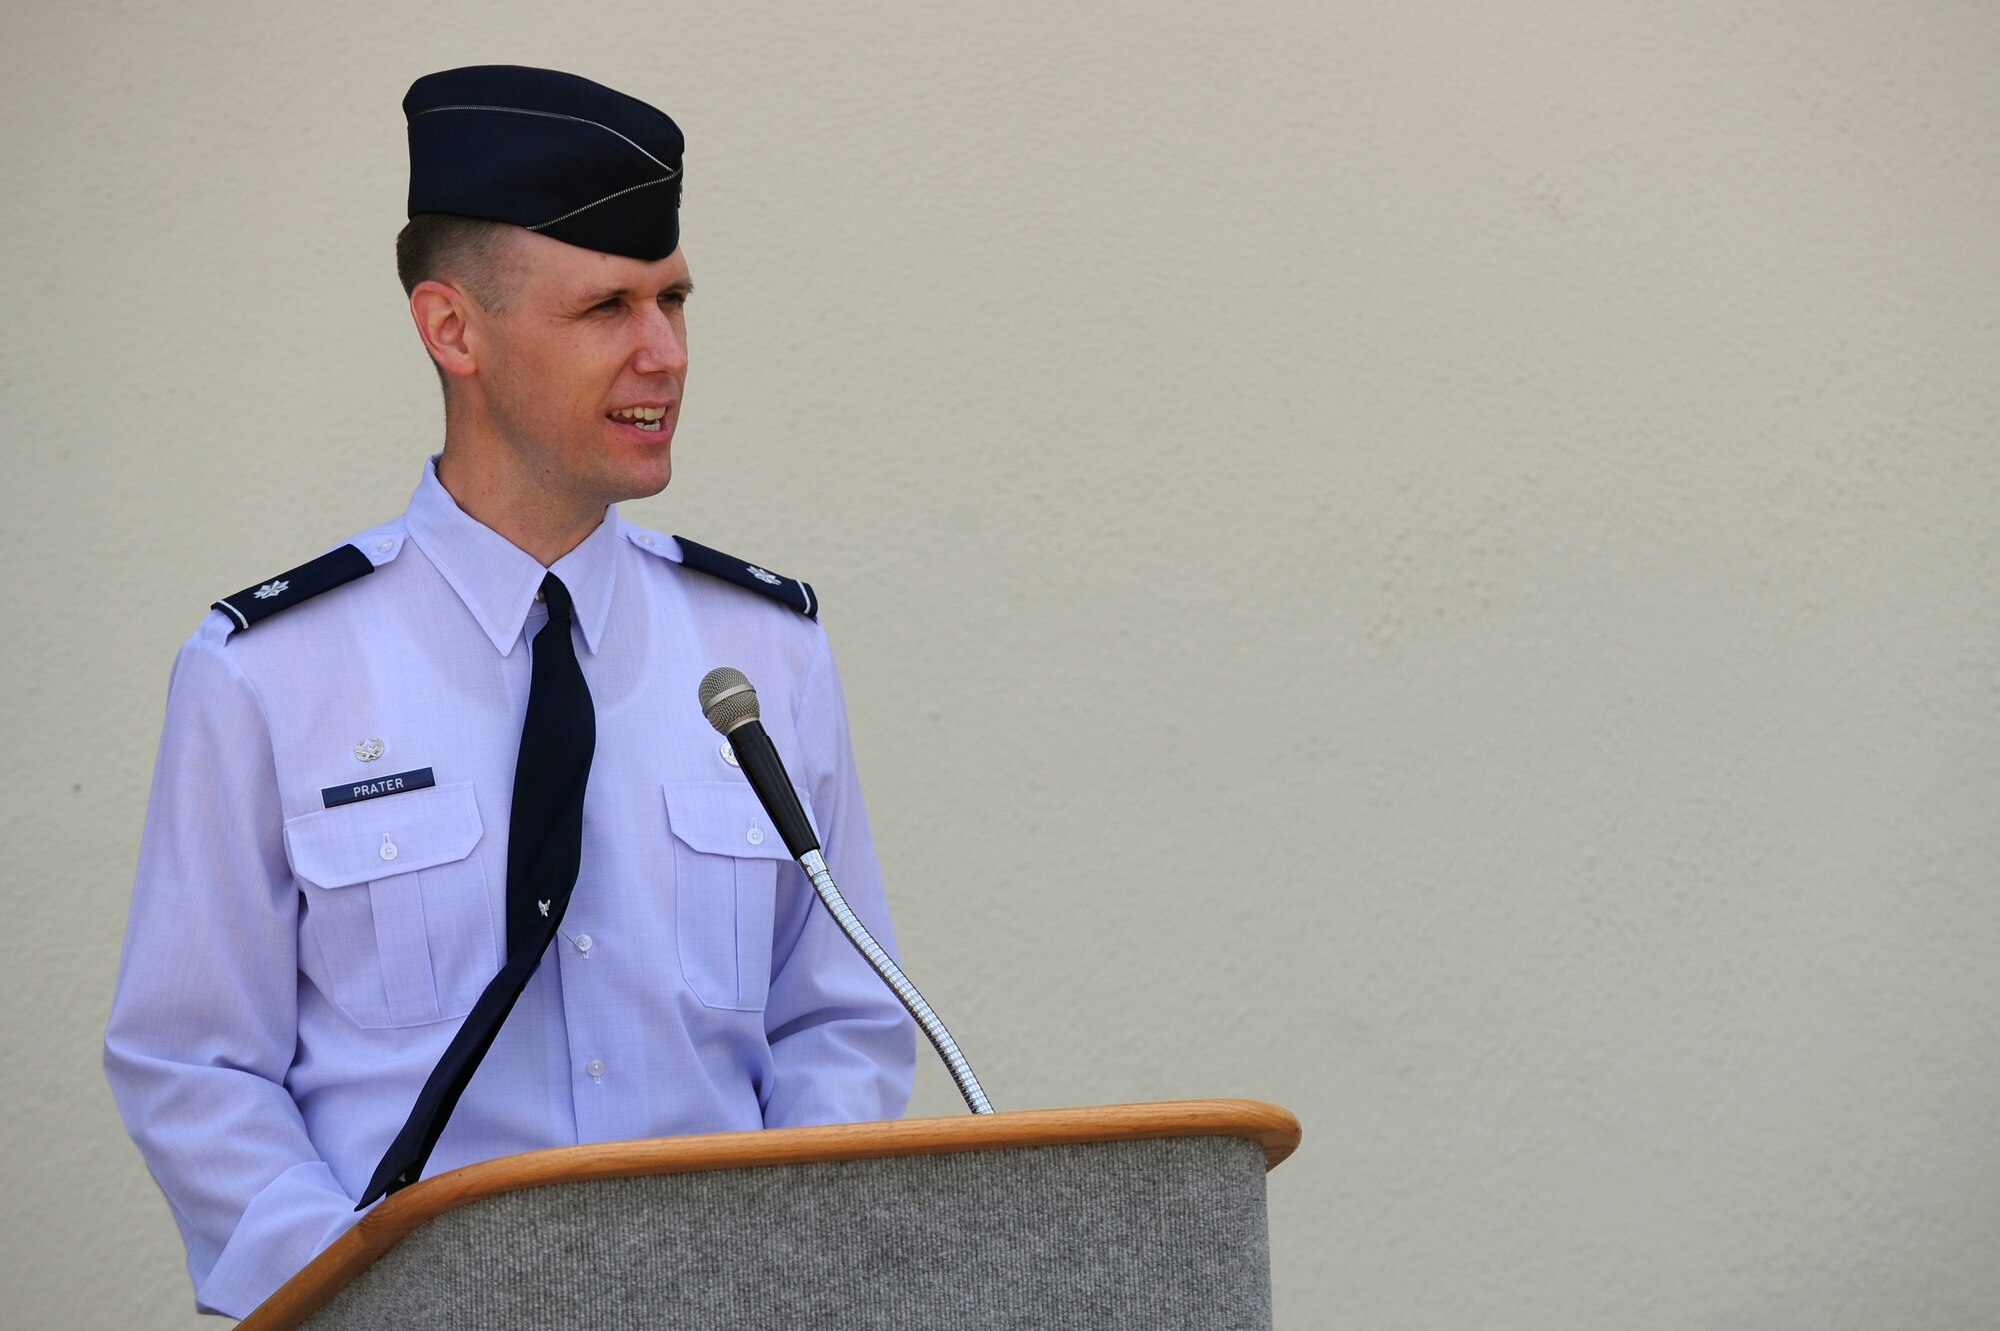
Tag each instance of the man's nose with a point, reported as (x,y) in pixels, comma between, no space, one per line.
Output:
(662,346)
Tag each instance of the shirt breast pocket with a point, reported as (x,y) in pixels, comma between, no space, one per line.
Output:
(726,860)
(399,924)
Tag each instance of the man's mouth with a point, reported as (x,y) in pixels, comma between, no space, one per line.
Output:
(648,419)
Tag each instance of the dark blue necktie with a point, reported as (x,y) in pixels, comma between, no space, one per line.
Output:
(544,846)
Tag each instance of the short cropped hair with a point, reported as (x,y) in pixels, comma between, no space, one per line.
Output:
(467,251)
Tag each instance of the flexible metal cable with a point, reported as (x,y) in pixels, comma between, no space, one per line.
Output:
(892,975)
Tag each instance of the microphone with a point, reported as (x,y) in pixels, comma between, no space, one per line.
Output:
(730,703)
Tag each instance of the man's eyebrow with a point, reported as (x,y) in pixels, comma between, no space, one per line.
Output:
(684,287)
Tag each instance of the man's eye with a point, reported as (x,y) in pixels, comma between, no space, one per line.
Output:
(674,298)
(608,305)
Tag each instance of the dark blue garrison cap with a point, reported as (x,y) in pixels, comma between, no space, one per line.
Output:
(557,154)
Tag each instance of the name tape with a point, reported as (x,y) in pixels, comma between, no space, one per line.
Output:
(335,796)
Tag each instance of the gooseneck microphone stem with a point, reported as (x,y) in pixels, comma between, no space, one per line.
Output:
(730,704)
(899,983)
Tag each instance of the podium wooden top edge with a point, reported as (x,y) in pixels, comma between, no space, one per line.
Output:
(1273,1128)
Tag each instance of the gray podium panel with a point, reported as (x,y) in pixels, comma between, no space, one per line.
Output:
(1154,1234)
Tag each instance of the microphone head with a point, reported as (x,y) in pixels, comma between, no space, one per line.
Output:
(727,699)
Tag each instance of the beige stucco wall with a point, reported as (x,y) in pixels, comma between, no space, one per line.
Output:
(1433,564)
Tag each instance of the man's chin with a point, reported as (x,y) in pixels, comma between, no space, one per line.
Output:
(642,481)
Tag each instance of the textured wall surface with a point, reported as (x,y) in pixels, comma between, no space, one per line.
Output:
(1432,564)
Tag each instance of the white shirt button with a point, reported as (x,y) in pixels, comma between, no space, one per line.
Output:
(595,1067)
(756,835)
(384,547)
(645,539)
(388,847)
(728,754)
(583,944)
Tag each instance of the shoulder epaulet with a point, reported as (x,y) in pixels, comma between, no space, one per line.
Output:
(786,591)
(262,600)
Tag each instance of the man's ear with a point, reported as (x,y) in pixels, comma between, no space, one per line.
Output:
(444,315)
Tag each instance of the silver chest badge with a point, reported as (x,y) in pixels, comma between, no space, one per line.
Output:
(368,750)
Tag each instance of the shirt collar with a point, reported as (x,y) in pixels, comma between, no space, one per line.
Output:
(497,579)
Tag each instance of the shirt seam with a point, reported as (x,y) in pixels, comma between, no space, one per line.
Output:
(822,652)
(235,668)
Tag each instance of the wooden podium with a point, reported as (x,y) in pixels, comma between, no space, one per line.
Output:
(1118,1216)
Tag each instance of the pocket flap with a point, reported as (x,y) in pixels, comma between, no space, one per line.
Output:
(344,846)
(725,818)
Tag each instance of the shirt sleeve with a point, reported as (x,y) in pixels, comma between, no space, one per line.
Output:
(204,1022)
(842,1047)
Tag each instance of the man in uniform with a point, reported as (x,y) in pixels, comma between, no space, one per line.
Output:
(441,801)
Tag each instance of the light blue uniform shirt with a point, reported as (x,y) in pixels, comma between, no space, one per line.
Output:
(292,971)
